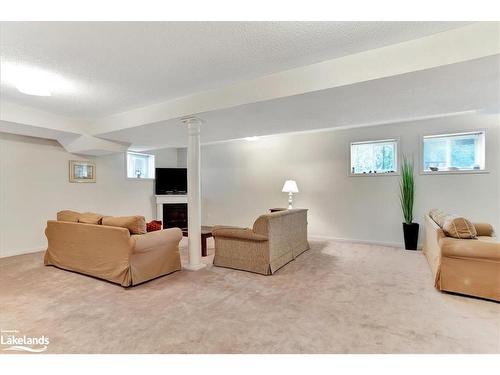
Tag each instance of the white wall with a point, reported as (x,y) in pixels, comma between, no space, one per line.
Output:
(34,186)
(241,180)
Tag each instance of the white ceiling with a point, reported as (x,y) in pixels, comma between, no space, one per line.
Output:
(117,66)
(468,86)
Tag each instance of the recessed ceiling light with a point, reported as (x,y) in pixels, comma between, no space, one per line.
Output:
(251,139)
(33,81)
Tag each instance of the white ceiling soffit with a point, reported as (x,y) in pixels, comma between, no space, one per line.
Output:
(88,145)
(35,131)
(454,46)
(104,68)
(21,120)
(15,113)
(471,86)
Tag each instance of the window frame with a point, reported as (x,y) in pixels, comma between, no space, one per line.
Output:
(141,178)
(397,155)
(459,171)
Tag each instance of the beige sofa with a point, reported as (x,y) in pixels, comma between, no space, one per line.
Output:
(465,266)
(276,239)
(112,253)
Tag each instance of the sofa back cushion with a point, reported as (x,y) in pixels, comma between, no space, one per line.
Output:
(459,227)
(68,215)
(94,250)
(286,231)
(135,224)
(438,216)
(484,229)
(90,218)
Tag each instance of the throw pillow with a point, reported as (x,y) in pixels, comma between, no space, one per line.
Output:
(459,227)
(153,225)
(90,218)
(135,224)
(438,216)
(68,215)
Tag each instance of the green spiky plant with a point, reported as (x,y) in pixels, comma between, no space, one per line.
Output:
(407,189)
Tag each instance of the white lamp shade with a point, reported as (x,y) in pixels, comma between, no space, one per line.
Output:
(290,186)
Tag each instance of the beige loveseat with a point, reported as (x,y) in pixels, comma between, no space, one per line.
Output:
(112,253)
(465,266)
(276,239)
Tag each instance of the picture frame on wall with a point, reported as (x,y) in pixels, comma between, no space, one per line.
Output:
(82,171)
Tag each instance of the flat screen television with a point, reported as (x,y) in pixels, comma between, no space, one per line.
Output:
(170,181)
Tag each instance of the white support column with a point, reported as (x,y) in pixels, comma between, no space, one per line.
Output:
(194,194)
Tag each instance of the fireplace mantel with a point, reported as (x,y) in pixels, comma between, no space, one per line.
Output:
(167,199)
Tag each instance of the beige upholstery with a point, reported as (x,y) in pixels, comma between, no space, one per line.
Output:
(484,229)
(275,240)
(466,266)
(68,215)
(135,224)
(111,253)
(90,218)
(459,227)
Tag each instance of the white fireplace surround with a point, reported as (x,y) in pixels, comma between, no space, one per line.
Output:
(167,199)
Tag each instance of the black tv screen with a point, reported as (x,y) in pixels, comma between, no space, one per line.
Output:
(170,181)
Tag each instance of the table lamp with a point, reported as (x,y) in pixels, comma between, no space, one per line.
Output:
(290,187)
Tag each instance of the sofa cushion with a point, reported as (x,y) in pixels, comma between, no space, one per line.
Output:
(438,216)
(68,215)
(484,229)
(459,227)
(488,239)
(470,249)
(135,224)
(90,218)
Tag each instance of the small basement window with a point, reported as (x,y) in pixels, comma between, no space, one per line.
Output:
(140,165)
(374,157)
(454,152)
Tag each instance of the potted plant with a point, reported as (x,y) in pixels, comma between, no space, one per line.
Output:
(407,192)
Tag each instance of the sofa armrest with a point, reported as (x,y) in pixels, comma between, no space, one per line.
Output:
(484,229)
(237,233)
(157,239)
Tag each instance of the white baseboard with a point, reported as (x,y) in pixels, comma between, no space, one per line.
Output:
(6,254)
(367,242)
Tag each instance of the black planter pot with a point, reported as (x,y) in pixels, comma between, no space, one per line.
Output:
(410,232)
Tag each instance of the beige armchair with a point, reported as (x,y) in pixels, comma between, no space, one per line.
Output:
(275,239)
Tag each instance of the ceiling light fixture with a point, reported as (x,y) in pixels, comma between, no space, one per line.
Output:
(251,139)
(32,88)
(33,81)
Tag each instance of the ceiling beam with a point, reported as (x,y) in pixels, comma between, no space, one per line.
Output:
(18,114)
(70,133)
(88,145)
(458,45)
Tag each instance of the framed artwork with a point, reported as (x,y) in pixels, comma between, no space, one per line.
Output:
(81,171)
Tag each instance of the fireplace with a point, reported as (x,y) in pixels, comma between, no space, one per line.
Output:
(175,215)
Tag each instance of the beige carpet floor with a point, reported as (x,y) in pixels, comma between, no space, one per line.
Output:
(336,298)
